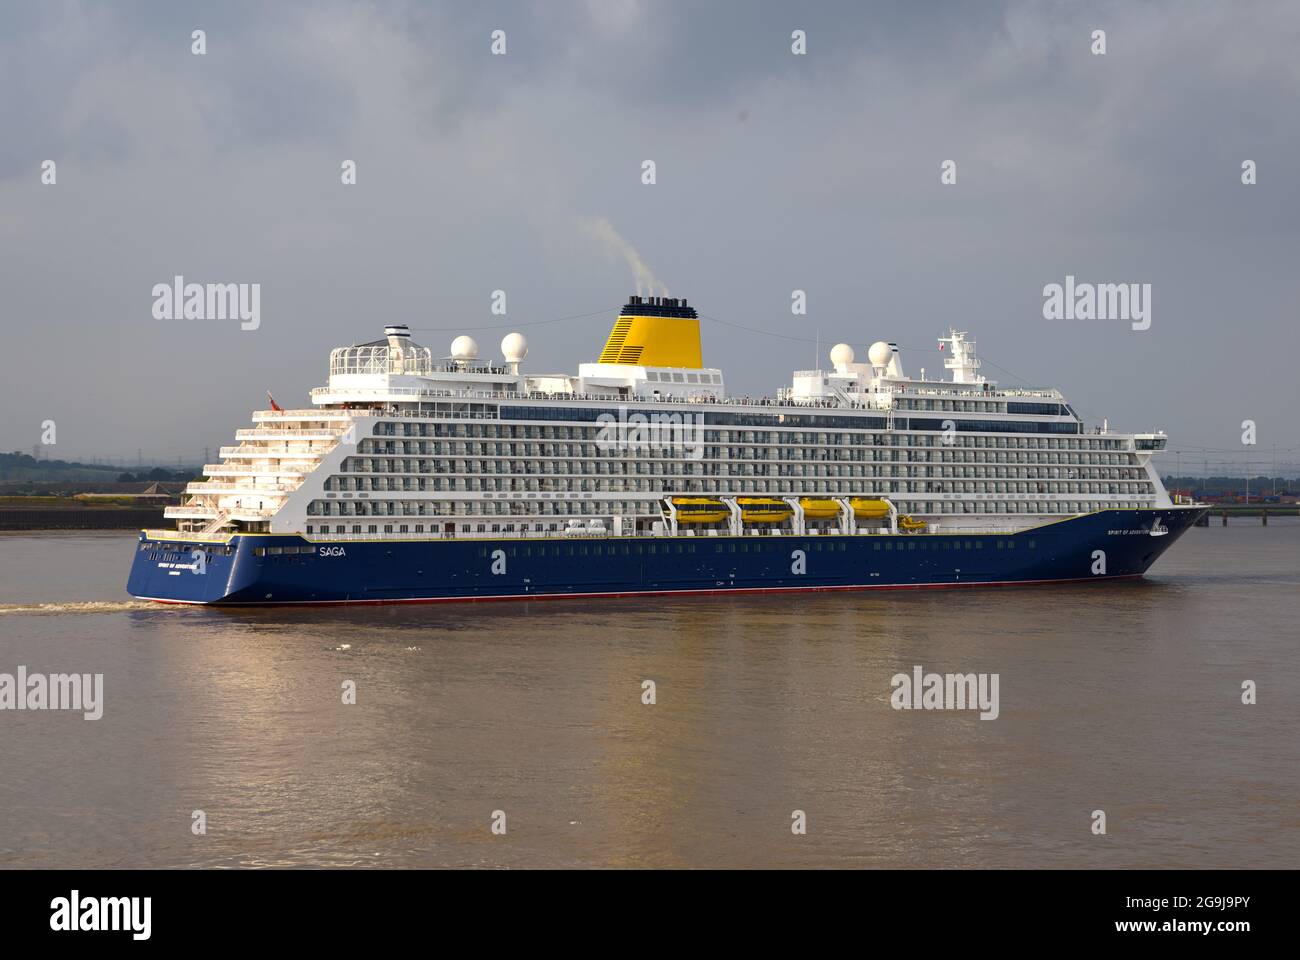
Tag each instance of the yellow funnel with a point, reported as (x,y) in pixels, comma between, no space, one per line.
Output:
(655,332)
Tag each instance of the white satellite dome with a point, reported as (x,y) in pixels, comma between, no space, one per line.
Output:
(880,354)
(464,348)
(514,347)
(841,355)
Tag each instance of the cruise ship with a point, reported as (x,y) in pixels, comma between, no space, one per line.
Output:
(418,478)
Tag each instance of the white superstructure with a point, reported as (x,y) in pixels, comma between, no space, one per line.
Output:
(402,443)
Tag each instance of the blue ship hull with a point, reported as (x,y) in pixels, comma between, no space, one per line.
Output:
(270,569)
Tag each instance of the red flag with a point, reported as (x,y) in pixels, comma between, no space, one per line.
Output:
(274,406)
(942,345)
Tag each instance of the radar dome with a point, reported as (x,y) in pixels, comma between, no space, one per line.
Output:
(880,354)
(464,348)
(841,355)
(514,347)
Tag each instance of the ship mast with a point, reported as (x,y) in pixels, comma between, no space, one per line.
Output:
(962,360)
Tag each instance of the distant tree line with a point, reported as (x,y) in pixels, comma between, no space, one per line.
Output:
(17,466)
(1226,485)
(157,473)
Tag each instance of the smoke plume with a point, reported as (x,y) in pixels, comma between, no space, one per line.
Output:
(615,246)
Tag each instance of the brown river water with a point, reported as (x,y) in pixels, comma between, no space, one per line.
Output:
(1121,697)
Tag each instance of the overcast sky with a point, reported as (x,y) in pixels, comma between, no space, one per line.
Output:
(775,172)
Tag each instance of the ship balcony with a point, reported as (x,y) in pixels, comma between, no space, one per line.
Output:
(264,489)
(237,470)
(248,451)
(192,512)
(290,434)
(381,394)
(290,416)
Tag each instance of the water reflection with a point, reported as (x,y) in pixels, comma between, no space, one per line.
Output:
(1120,696)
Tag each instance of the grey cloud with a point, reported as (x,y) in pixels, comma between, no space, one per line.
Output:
(775,172)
